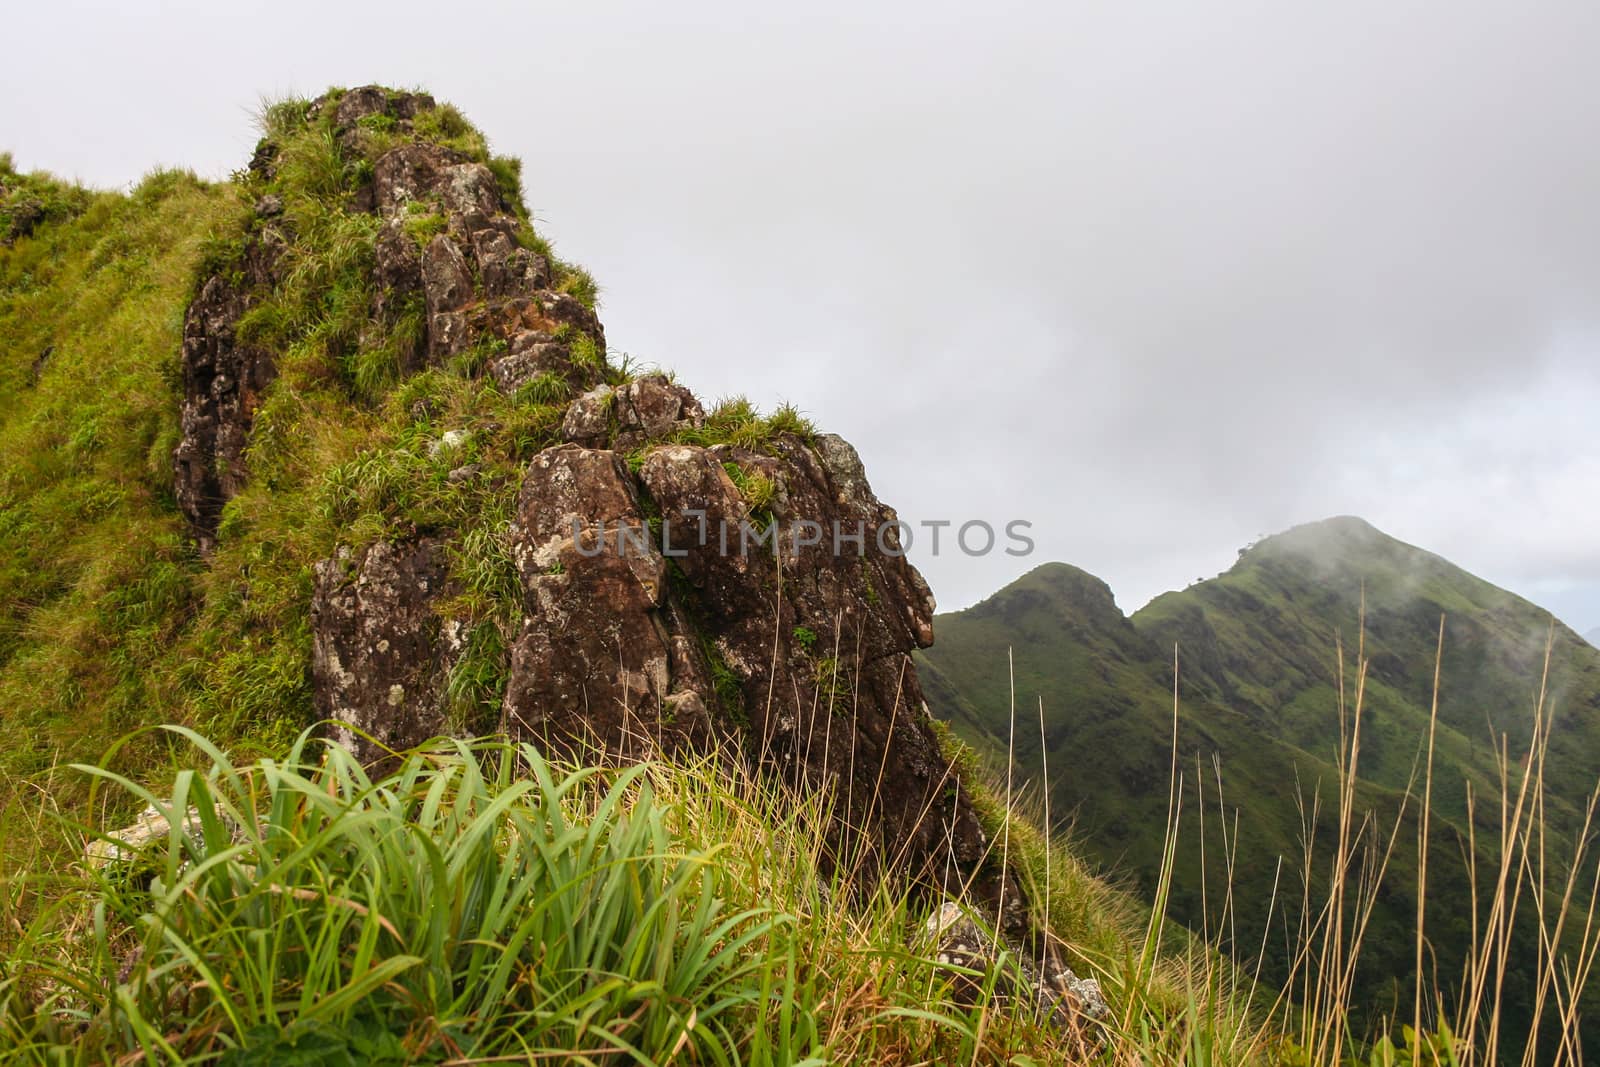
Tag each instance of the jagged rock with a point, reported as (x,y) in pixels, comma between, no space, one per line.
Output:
(380,654)
(446,282)
(369,100)
(588,418)
(595,660)
(533,353)
(223,381)
(264,160)
(397,262)
(508,298)
(358,103)
(409,172)
(607,638)
(957,941)
(647,409)
(450,332)
(471,191)
(505,267)
(447,287)
(429,172)
(564,309)
(652,407)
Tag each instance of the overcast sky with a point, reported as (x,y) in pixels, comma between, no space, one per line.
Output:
(1158,278)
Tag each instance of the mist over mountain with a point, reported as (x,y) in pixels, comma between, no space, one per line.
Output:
(1262,653)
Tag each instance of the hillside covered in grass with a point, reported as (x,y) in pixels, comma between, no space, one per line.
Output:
(301,471)
(1266,737)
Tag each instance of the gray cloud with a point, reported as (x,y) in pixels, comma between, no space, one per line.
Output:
(1158,277)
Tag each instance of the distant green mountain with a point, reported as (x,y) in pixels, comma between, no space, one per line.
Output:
(1258,661)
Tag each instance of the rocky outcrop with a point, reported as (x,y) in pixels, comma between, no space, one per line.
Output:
(380,654)
(601,657)
(678,585)
(788,631)
(475,281)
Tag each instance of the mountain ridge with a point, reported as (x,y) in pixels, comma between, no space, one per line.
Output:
(1259,654)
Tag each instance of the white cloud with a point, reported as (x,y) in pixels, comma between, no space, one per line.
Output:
(1159,277)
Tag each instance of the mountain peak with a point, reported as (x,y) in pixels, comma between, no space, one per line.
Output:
(1337,535)
(1066,591)
(1266,679)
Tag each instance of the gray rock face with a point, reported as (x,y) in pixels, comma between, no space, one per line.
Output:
(534,354)
(447,288)
(380,655)
(594,661)
(506,268)
(804,673)
(651,407)
(373,100)
(588,418)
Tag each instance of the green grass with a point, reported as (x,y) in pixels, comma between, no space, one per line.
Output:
(736,421)
(437,913)
(480,902)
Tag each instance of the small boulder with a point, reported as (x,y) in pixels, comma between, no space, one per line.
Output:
(652,407)
(957,941)
(505,267)
(532,353)
(446,282)
(127,844)
(588,418)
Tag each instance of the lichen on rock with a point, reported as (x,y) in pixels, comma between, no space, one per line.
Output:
(380,654)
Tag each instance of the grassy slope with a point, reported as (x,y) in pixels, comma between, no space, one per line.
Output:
(1259,669)
(1275,618)
(96,578)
